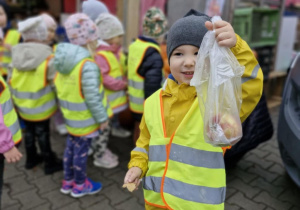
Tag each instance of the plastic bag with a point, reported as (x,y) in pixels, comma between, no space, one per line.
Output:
(217,79)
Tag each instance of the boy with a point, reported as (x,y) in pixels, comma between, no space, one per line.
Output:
(32,94)
(180,170)
(145,64)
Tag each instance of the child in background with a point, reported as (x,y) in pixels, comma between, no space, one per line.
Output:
(10,133)
(82,101)
(32,93)
(59,121)
(108,57)
(145,64)
(181,170)
(94,8)
(11,38)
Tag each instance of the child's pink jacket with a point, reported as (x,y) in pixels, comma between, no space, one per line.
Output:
(6,141)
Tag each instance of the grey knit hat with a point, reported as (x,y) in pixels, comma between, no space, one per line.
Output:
(188,30)
(94,8)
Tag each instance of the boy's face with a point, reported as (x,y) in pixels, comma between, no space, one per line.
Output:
(51,35)
(3,18)
(182,63)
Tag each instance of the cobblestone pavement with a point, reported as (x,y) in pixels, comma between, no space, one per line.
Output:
(259,182)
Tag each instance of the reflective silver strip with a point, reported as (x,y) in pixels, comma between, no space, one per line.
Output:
(136,100)
(31,95)
(7,107)
(187,155)
(39,109)
(189,192)
(119,78)
(72,106)
(116,95)
(5,65)
(253,74)
(80,123)
(137,85)
(139,149)
(7,54)
(14,128)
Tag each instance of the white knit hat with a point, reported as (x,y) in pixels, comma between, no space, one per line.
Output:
(109,26)
(33,28)
(93,8)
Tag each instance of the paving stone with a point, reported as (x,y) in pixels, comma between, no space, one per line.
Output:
(57,199)
(132,203)
(10,171)
(259,161)
(270,188)
(230,191)
(284,181)
(45,184)
(291,196)
(115,194)
(42,207)
(231,207)
(275,159)
(245,176)
(260,153)
(104,204)
(265,198)
(72,206)
(14,207)
(87,201)
(7,200)
(118,177)
(240,200)
(18,185)
(270,148)
(243,164)
(139,194)
(35,173)
(279,169)
(249,191)
(265,174)
(294,208)
(29,199)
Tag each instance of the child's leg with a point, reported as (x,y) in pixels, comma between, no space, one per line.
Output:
(80,158)
(68,158)
(52,163)
(32,158)
(101,143)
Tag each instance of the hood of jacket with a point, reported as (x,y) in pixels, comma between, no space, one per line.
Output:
(28,56)
(67,56)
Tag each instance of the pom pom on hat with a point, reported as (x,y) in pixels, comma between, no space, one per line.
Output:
(109,26)
(93,8)
(33,28)
(80,29)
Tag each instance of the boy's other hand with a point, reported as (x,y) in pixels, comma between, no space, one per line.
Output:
(13,155)
(104,125)
(133,176)
(225,35)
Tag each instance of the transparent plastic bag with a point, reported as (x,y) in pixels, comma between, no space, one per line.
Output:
(217,79)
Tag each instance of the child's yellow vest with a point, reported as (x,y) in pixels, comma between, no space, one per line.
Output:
(184,172)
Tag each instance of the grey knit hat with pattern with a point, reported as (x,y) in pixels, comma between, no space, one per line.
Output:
(188,30)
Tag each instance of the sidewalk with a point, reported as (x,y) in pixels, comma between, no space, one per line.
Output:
(259,182)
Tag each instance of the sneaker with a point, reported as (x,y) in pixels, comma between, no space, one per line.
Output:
(112,155)
(89,187)
(67,186)
(61,129)
(105,161)
(120,132)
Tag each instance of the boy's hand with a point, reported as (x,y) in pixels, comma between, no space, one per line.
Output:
(133,176)
(225,35)
(104,125)
(13,155)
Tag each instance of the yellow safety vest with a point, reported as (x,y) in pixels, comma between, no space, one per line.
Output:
(79,119)
(32,95)
(12,38)
(9,114)
(184,172)
(115,98)
(137,51)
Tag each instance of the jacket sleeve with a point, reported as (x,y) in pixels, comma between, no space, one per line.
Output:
(151,70)
(90,82)
(139,155)
(252,79)
(6,141)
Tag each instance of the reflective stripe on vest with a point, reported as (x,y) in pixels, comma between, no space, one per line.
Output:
(184,172)
(115,98)
(12,38)
(79,120)
(136,83)
(33,97)
(9,114)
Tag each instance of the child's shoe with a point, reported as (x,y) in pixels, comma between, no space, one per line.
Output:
(61,129)
(67,186)
(32,161)
(112,155)
(120,132)
(106,161)
(89,187)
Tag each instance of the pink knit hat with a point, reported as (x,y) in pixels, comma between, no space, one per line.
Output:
(80,29)
(50,22)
